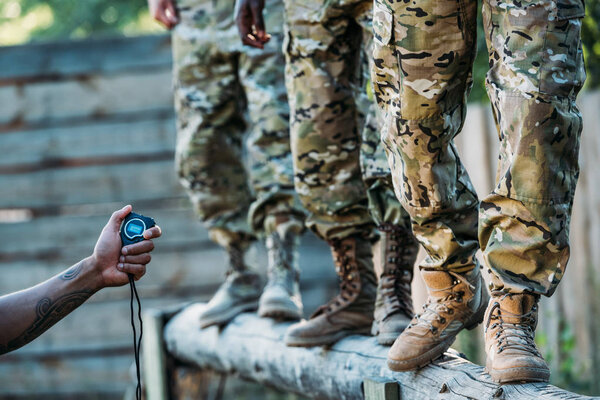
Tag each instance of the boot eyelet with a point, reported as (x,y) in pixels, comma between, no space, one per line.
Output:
(450,311)
(443,320)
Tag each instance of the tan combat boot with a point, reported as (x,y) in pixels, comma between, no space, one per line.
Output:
(281,296)
(393,306)
(509,332)
(455,302)
(239,292)
(350,312)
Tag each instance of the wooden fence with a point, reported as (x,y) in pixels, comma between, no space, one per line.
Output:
(88,126)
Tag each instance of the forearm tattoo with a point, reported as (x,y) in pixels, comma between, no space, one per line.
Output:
(72,272)
(48,313)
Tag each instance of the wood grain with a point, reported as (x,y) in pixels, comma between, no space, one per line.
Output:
(253,348)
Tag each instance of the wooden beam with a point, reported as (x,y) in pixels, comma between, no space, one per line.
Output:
(51,61)
(154,357)
(253,348)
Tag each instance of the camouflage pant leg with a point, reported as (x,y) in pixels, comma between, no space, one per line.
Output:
(322,59)
(210,130)
(271,173)
(536,72)
(384,207)
(423,56)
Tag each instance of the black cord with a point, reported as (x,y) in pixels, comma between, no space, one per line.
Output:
(137,342)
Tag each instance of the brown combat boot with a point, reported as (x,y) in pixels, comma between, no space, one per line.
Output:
(455,302)
(239,292)
(393,306)
(510,325)
(281,297)
(350,312)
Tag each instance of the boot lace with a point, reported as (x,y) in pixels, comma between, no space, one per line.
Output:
(397,276)
(517,336)
(280,262)
(438,305)
(236,260)
(347,270)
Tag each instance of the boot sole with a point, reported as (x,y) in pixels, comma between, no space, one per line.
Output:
(228,315)
(440,349)
(422,360)
(323,340)
(518,374)
(279,311)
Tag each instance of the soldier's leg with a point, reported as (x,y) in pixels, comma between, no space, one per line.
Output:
(397,246)
(536,73)
(208,161)
(276,213)
(322,57)
(423,57)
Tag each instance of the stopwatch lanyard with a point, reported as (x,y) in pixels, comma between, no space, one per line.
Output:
(137,342)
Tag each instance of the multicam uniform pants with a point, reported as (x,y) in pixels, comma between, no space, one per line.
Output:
(221,87)
(342,176)
(423,58)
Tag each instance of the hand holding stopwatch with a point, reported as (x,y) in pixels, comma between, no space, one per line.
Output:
(132,231)
(133,227)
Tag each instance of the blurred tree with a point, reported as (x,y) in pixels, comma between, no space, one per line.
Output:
(591,42)
(590,35)
(32,20)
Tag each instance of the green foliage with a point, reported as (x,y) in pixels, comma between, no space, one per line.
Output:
(33,20)
(561,359)
(590,36)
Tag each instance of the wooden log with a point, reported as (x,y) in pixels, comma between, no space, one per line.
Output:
(253,348)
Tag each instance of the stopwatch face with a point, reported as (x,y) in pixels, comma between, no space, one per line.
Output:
(134,228)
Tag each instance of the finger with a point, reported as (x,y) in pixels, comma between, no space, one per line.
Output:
(137,270)
(153,232)
(145,246)
(117,217)
(171,13)
(250,40)
(143,258)
(162,17)
(257,20)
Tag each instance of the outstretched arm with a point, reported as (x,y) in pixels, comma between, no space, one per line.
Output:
(250,22)
(27,314)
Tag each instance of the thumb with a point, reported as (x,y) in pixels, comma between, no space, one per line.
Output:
(117,217)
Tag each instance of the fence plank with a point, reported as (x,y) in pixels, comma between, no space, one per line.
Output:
(64,377)
(81,231)
(60,59)
(124,182)
(81,144)
(90,97)
(202,266)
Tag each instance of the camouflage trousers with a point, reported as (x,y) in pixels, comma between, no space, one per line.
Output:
(423,57)
(222,91)
(341,173)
